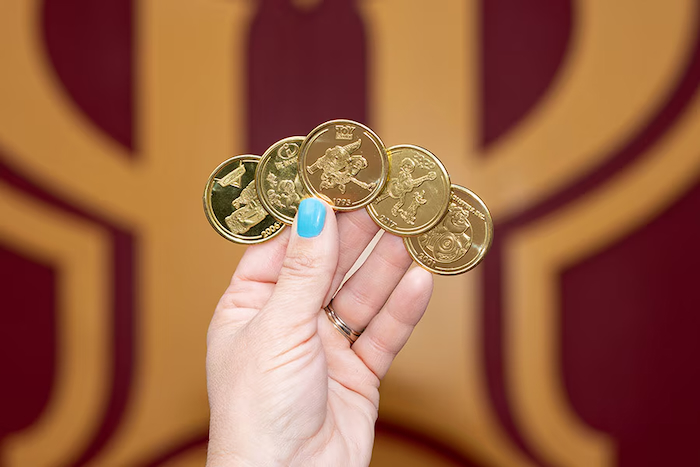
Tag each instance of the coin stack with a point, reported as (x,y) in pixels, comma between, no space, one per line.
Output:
(447,229)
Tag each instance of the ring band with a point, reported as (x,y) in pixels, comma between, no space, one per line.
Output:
(349,333)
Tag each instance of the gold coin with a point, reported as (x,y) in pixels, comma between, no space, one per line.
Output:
(460,240)
(232,206)
(416,194)
(277,179)
(345,163)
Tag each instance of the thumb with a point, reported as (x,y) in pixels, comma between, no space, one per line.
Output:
(307,272)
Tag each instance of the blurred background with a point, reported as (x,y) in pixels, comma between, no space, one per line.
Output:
(577,121)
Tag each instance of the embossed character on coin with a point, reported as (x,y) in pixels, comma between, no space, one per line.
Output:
(416,194)
(340,166)
(452,238)
(401,186)
(277,177)
(232,206)
(459,241)
(248,211)
(343,162)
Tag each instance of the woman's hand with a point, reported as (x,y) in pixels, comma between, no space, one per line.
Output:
(285,386)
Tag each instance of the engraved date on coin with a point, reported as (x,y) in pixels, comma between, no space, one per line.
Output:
(427,260)
(271,229)
(387,221)
(342,202)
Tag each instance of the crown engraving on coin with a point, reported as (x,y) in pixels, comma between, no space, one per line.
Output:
(344,132)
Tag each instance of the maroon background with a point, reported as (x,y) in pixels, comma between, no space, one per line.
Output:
(580,356)
(28,313)
(92,53)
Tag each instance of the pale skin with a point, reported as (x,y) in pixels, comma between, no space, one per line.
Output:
(285,387)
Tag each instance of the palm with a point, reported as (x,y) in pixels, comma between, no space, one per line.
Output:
(313,396)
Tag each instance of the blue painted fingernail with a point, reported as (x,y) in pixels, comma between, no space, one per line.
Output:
(311,217)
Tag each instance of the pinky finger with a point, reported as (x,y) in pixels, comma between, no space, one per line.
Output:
(389,331)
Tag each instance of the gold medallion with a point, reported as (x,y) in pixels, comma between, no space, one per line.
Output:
(232,206)
(460,240)
(416,194)
(277,179)
(345,163)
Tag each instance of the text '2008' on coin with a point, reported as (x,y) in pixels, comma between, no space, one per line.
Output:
(459,241)
(416,194)
(345,163)
(232,206)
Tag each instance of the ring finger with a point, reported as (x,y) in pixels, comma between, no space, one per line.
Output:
(364,294)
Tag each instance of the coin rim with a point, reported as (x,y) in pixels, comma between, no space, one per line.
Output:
(438,218)
(258,179)
(477,260)
(384,156)
(209,211)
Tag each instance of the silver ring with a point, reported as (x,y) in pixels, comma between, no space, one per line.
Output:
(349,333)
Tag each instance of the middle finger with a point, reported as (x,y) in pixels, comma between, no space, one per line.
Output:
(363,295)
(355,231)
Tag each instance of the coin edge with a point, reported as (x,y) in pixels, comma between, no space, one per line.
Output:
(209,211)
(311,189)
(438,218)
(258,178)
(490,234)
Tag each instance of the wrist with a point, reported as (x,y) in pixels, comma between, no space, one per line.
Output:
(218,457)
(240,453)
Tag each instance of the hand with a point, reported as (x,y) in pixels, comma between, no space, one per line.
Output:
(285,387)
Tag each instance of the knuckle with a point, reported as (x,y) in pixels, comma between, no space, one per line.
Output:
(395,255)
(299,264)
(362,222)
(362,299)
(382,347)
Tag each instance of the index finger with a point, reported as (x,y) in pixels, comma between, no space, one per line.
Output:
(262,262)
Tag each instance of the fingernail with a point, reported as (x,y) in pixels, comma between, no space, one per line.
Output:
(311,217)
